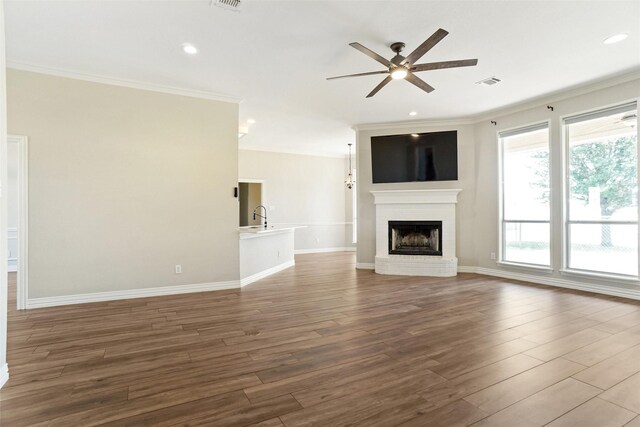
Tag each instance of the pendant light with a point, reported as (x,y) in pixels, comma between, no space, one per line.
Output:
(350,182)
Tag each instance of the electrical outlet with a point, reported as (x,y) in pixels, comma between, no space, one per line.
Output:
(178,269)
(317,240)
(493,256)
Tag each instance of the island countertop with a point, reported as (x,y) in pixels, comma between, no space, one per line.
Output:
(259,230)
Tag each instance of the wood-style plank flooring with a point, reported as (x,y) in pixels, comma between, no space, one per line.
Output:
(324,344)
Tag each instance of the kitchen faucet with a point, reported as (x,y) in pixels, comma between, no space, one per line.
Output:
(261,216)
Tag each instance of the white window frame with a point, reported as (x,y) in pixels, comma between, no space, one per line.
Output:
(501,217)
(566,194)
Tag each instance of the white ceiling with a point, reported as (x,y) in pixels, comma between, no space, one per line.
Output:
(275,55)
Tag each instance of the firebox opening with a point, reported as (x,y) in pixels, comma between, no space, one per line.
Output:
(415,237)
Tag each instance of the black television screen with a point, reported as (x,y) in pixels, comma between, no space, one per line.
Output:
(429,156)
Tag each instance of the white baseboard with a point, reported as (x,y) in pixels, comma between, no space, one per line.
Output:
(130,293)
(554,281)
(4,375)
(321,250)
(365,266)
(265,273)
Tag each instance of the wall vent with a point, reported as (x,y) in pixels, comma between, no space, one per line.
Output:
(489,81)
(233,5)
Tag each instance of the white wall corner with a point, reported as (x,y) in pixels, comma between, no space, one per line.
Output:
(365,266)
(4,374)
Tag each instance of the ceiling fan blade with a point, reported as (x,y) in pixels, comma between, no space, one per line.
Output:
(425,47)
(371,54)
(380,86)
(444,64)
(412,78)
(359,74)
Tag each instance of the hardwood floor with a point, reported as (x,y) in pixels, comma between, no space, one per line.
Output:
(324,344)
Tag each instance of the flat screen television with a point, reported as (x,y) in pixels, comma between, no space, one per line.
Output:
(431,156)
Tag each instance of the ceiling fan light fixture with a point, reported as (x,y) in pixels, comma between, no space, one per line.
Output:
(400,67)
(399,73)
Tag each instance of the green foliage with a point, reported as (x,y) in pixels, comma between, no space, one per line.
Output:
(542,173)
(612,167)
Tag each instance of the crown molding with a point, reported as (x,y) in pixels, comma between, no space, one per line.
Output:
(413,124)
(559,95)
(133,84)
(294,152)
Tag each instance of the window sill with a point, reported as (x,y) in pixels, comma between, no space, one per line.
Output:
(596,275)
(540,268)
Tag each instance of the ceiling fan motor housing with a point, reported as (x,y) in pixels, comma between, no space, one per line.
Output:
(397,47)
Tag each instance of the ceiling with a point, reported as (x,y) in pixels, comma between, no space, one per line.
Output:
(276,55)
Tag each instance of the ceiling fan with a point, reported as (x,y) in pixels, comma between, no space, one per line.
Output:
(401,67)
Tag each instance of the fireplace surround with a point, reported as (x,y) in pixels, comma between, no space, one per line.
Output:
(434,207)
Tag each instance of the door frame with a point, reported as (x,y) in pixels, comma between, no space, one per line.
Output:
(22,288)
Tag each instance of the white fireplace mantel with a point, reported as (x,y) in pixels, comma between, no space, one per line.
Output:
(415,196)
(416,205)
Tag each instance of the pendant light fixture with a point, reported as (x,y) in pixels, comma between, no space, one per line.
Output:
(350,182)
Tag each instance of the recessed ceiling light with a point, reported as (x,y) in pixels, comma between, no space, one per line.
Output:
(615,38)
(189,48)
(413,113)
(415,135)
(251,121)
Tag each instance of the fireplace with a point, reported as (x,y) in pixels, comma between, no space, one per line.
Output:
(415,238)
(417,247)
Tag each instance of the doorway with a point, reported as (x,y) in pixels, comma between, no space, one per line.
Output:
(250,196)
(17,219)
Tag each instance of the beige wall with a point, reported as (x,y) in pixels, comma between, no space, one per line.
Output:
(304,190)
(124,184)
(466,182)
(486,230)
(477,214)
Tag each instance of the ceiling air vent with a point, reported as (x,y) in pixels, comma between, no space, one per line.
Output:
(233,5)
(489,81)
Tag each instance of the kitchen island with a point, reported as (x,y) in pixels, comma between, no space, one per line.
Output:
(264,251)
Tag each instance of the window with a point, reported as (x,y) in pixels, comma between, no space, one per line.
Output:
(525,196)
(601,213)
